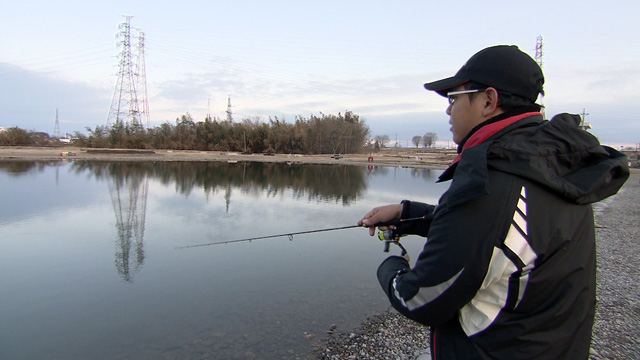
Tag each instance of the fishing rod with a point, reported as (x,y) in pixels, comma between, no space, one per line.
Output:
(388,236)
(289,235)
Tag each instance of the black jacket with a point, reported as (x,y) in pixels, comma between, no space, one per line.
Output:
(508,269)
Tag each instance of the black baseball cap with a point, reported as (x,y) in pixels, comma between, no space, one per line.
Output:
(503,67)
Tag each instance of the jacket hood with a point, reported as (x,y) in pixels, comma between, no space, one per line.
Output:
(561,156)
(557,154)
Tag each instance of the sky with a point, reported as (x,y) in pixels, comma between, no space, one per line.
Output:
(301,58)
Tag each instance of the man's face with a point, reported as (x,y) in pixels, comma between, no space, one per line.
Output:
(464,114)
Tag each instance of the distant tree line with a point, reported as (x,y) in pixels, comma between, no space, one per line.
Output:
(324,134)
(15,136)
(427,140)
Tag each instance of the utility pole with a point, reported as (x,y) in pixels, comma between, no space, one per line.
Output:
(208,110)
(244,135)
(583,124)
(124,104)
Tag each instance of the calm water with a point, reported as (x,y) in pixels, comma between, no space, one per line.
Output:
(89,267)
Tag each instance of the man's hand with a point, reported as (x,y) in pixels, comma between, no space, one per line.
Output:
(381,214)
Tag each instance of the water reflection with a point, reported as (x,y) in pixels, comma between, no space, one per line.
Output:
(20,168)
(335,183)
(129,198)
(340,183)
(129,182)
(259,298)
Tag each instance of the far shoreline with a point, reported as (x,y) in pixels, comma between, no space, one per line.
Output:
(414,158)
(429,158)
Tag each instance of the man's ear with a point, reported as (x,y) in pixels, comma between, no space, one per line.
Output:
(491,103)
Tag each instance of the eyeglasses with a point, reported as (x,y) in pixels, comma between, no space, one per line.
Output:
(452,95)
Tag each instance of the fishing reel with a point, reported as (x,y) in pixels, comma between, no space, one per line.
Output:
(391,236)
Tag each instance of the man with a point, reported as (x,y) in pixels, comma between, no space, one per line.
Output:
(508,269)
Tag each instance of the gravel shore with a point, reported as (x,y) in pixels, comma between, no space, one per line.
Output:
(615,333)
(617,326)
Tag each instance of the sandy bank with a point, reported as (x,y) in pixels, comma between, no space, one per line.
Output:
(428,158)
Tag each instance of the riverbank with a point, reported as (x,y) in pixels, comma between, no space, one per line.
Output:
(418,158)
(617,325)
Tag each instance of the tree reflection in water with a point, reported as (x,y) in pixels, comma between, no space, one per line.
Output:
(129,182)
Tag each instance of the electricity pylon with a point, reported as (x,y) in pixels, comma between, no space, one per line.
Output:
(56,127)
(141,81)
(539,61)
(124,104)
(229,112)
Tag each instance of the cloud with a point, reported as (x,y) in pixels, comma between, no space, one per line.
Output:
(390,104)
(30,100)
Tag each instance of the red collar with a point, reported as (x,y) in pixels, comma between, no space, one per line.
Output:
(489,130)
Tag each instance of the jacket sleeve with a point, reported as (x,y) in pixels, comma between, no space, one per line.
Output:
(453,264)
(414,209)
